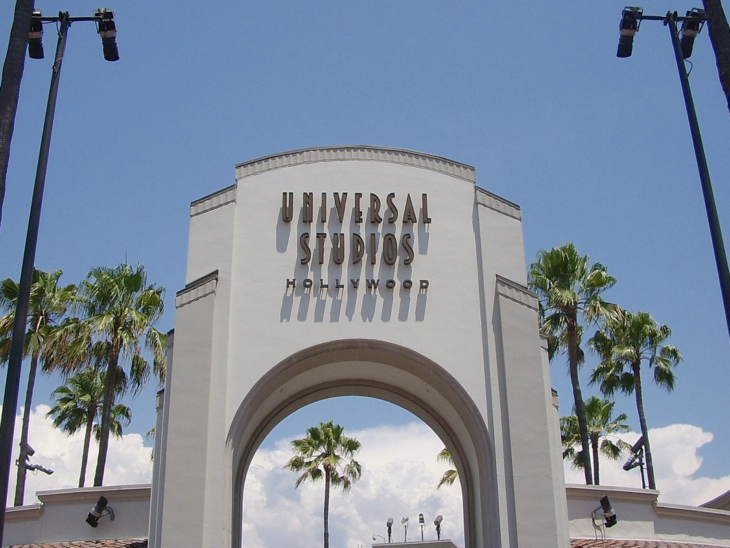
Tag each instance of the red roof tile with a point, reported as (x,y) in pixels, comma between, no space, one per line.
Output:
(610,543)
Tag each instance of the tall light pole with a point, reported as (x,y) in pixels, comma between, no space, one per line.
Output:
(107,30)
(692,24)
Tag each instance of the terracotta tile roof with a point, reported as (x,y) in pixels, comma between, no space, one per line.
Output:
(610,543)
(133,543)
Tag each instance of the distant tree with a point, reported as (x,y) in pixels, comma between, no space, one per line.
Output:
(451,475)
(77,406)
(601,428)
(119,311)
(624,343)
(567,286)
(10,85)
(326,453)
(47,306)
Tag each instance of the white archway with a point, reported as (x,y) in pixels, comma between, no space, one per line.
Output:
(435,318)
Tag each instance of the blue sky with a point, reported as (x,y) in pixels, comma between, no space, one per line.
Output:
(596,150)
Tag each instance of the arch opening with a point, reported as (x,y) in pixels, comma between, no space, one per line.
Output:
(400,473)
(387,372)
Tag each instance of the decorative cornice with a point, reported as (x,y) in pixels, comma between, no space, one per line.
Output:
(595,492)
(364,152)
(692,512)
(24,513)
(516,292)
(213,201)
(197,289)
(140,491)
(498,204)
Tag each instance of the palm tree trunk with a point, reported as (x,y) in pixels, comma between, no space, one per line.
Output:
(106,413)
(580,410)
(326,507)
(87,443)
(10,84)
(23,453)
(642,423)
(594,450)
(720,37)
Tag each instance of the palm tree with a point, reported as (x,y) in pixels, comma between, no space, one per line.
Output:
(47,306)
(567,286)
(451,474)
(624,342)
(326,453)
(601,427)
(10,84)
(77,406)
(119,311)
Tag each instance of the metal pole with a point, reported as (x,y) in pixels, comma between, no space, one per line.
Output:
(715,233)
(641,467)
(15,361)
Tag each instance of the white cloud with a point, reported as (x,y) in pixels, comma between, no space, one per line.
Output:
(676,463)
(399,478)
(128,461)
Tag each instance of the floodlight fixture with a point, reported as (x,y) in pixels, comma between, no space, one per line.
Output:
(389,525)
(632,462)
(629,26)
(691,27)
(437,523)
(35,36)
(107,29)
(422,523)
(100,509)
(38,468)
(606,512)
(404,522)
(637,459)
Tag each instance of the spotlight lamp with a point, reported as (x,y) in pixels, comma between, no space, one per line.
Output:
(637,459)
(629,26)
(437,523)
(108,32)
(100,509)
(691,27)
(38,468)
(404,522)
(606,512)
(389,525)
(35,36)
(29,452)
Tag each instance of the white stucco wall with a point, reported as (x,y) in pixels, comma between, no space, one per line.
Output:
(60,516)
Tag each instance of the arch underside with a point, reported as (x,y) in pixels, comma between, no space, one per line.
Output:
(359,367)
